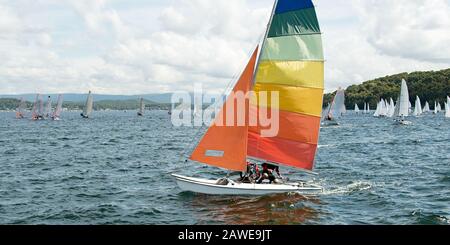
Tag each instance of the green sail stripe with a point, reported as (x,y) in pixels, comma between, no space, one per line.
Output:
(303,21)
(290,48)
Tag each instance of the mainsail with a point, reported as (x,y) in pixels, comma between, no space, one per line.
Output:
(356,109)
(426,108)
(48,107)
(338,105)
(58,109)
(447,110)
(402,107)
(35,110)
(20,109)
(141,107)
(41,107)
(417,107)
(89,105)
(291,63)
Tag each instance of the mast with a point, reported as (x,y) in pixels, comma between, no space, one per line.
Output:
(263,45)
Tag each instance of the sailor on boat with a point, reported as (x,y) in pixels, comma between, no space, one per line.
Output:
(267,173)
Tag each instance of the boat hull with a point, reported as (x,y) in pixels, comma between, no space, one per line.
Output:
(211,187)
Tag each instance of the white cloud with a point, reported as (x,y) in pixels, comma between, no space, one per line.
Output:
(169,45)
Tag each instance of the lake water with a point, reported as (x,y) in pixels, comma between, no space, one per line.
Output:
(115,169)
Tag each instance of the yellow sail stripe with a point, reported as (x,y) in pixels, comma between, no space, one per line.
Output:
(306,101)
(292,73)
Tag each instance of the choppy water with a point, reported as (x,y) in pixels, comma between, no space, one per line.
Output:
(114,169)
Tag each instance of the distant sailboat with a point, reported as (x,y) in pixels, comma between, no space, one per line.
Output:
(447,110)
(56,116)
(88,107)
(356,109)
(35,110)
(141,107)
(426,108)
(417,108)
(20,111)
(41,108)
(48,107)
(368,108)
(402,107)
(439,107)
(335,110)
(282,67)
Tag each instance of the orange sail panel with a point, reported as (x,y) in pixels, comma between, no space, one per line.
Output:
(226,146)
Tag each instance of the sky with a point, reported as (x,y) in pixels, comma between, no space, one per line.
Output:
(158,46)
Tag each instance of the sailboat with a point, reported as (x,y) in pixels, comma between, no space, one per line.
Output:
(447,110)
(141,107)
(402,107)
(335,110)
(439,107)
(56,116)
(426,108)
(356,109)
(20,111)
(48,107)
(291,63)
(417,108)
(39,110)
(368,108)
(34,110)
(88,106)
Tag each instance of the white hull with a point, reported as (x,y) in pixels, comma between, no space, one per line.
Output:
(326,123)
(403,123)
(211,187)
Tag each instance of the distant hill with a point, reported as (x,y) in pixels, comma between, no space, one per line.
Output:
(428,85)
(156,98)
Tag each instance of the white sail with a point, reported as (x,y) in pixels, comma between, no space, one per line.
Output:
(383,108)
(356,109)
(426,108)
(402,108)
(88,106)
(58,109)
(41,109)
(377,111)
(447,110)
(417,107)
(325,112)
(368,108)
(338,105)
(34,111)
(448,100)
(48,107)
(439,107)
(141,107)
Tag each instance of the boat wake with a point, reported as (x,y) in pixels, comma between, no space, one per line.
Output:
(348,189)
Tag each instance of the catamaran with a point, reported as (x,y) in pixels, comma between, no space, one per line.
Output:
(402,107)
(417,108)
(20,111)
(56,116)
(334,111)
(88,106)
(291,62)
(141,107)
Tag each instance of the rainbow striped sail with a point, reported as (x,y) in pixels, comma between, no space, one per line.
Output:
(292,63)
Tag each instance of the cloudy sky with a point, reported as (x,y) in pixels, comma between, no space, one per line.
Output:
(155,46)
